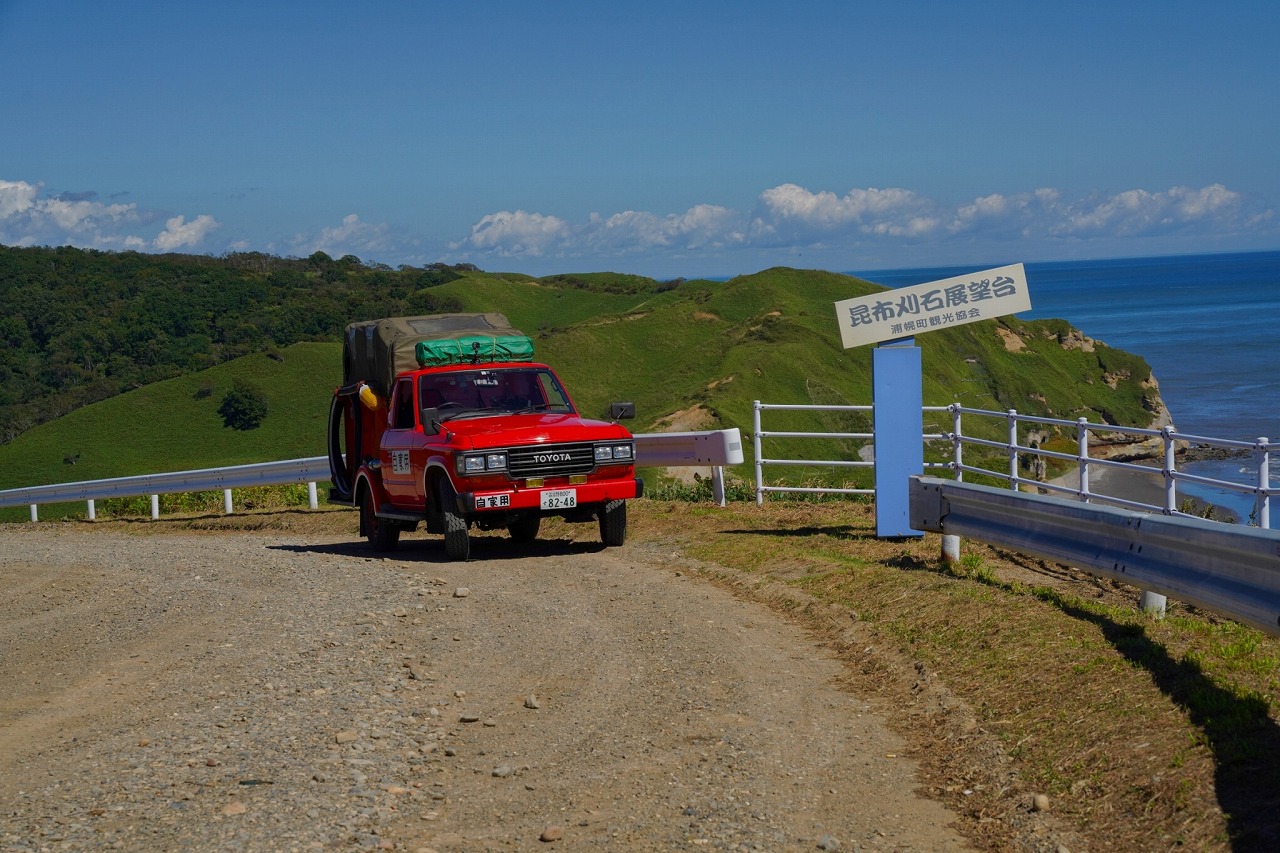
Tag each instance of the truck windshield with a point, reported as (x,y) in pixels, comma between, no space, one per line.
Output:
(480,392)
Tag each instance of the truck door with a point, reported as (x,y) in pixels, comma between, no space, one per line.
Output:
(400,443)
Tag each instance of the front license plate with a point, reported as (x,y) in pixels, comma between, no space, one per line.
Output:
(560,499)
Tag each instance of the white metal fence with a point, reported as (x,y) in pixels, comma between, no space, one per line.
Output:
(1020,457)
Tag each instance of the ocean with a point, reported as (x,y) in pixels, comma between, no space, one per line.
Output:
(1205,323)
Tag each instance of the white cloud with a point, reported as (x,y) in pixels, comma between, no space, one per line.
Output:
(1139,212)
(513,234)
(701,226)
(355,234)
(178,233)
(524,234)
(788,220)
(789,214)
(28,218)
(16,198)
(792,218)
(789,201)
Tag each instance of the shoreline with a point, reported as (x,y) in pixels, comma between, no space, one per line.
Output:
(1136,486)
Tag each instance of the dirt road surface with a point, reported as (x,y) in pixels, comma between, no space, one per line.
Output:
(273,691)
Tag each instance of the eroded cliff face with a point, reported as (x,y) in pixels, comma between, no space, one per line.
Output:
(1124,447)
(1118,446)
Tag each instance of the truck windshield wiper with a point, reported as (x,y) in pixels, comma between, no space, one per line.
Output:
(472,413)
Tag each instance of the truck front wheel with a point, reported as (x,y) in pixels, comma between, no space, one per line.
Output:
(457,542)
(383,535)
(613,523)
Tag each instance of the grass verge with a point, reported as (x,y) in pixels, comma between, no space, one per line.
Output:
(1015,678)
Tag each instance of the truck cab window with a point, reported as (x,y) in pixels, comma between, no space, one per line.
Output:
(402,413)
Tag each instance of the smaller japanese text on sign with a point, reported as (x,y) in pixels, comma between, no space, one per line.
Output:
(908,311)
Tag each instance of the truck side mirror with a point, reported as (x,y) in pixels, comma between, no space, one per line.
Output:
(622,411)
(430,417)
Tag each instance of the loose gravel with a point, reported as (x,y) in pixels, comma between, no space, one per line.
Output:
(276,691)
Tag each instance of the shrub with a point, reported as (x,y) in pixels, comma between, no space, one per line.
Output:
(243,407)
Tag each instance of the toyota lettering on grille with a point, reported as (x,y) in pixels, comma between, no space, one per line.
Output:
(543,458)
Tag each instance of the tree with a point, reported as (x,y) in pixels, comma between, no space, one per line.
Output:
(243,407)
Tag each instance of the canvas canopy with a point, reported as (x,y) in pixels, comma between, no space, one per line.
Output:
(374,351)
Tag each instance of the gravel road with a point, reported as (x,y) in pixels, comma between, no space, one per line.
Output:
(278,691)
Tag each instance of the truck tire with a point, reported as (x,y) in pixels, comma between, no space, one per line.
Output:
(383,535)
(525,530)
(457,542)
(613,523)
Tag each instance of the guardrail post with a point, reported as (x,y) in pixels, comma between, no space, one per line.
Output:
(1152,603)
(93,511)
(35,513)
(717,484)
(1170,466)
(312,500)
(227,506)
(951,542)
(950,549)
(1262,501)
(1013,449)
(755,433)
(1082,456)
(155,507)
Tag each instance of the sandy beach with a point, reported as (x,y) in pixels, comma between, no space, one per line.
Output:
(1146,486)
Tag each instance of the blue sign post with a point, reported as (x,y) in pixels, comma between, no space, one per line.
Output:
(890,319)
(897,396)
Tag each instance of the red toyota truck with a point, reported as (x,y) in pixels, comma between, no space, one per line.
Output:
(447,420)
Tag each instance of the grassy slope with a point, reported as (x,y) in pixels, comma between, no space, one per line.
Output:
(770,336)
(172,425)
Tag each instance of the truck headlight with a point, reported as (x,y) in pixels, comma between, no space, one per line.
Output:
(482,463)
(614,452)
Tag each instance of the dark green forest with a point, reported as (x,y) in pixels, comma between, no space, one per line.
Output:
(81,325)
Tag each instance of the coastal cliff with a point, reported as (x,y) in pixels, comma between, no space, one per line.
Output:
(1125,447)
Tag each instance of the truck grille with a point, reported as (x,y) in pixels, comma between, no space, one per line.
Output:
(550,460)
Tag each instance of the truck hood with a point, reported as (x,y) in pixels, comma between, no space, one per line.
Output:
(537,428)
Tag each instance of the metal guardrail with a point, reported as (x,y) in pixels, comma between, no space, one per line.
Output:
(310,471)
(715,448)
(1229,569)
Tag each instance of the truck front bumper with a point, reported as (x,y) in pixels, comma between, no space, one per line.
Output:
(550,499)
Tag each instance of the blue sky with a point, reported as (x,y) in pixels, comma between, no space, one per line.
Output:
(661,138)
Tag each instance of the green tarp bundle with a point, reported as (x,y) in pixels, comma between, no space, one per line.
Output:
(474,348)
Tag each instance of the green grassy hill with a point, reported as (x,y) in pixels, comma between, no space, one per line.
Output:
(174,425)
(692,356)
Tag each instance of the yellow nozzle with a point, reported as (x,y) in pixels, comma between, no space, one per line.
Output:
(370,399)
